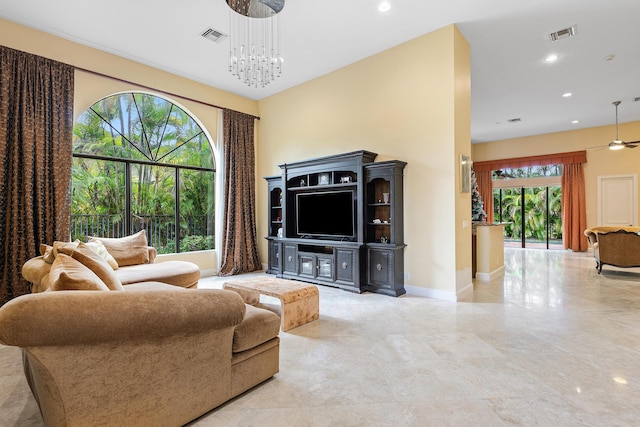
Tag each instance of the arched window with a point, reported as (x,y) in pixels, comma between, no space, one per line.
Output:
(141,162)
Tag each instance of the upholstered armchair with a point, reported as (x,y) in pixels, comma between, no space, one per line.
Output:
(616,246)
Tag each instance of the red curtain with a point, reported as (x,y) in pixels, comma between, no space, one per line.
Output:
(523,162)
(574,216)
(485,188)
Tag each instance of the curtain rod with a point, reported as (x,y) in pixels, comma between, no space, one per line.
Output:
(159,90)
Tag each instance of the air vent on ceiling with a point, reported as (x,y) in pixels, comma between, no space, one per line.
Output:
(516,120)
(213,35)
(636,99)
(563,34)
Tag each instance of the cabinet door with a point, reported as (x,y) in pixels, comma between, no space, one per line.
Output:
(274,257)
(380,267)
(345,265)
(324,267)
(307,265)
(290,262)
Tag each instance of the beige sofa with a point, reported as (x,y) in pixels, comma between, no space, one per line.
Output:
(159,357)
(132,265)
(616,246)
(98,351)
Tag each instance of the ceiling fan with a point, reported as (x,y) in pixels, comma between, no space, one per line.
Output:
(618,144)
(500,174)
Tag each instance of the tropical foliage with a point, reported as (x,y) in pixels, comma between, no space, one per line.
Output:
(510,204)
(147,148)
(535,221)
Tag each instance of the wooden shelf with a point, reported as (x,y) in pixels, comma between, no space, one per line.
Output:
(316,187)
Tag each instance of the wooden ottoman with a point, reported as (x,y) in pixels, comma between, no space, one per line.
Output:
(300,301)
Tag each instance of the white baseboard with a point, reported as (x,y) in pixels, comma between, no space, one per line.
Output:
(485,277)
(440,294)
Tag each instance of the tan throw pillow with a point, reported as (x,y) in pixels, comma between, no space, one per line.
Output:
(98,247)
(95,263)
(130,250)
(49,253)
(68,274)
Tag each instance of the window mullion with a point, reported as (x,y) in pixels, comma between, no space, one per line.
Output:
(127,200)
(177,209)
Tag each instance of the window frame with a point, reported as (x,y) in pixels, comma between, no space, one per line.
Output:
(128,162)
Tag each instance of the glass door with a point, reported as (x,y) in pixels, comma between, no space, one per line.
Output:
(507,209)
(533,216)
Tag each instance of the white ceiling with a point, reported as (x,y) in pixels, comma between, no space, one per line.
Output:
(509,41)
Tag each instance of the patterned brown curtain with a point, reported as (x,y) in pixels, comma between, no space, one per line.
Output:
(485,188)
(574,216)
(239,235)
(36,125)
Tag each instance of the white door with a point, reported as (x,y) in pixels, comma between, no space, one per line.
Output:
(617,200)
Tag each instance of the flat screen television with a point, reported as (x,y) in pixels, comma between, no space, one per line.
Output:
(327,214)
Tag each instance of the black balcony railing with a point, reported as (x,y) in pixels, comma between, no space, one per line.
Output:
(160,229)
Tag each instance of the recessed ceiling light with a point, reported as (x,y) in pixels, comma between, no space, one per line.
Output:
(566,94)
(385,6)
(609,57)
(551,58)
(575,122)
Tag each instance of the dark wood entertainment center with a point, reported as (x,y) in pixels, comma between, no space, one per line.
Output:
(338,221)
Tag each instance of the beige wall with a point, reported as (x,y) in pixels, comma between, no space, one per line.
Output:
(462,128)
(409,103)
(89,87)
(599,162)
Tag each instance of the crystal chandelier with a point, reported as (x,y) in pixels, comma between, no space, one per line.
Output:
(254,53)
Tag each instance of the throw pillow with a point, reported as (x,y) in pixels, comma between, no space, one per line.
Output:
(95,263)
(130,250)
(46,251)
(49,253)
(68,274)
(98,247)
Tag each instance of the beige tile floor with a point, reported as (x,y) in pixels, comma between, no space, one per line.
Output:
(549,343)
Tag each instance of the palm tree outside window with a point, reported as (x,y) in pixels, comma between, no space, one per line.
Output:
(529,202)
(142,162)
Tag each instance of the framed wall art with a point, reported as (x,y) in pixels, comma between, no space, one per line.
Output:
(465,173)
